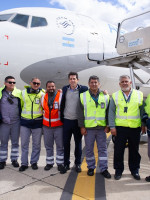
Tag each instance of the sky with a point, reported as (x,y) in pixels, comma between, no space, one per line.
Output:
(112,11)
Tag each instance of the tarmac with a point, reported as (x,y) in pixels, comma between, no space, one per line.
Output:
(51,185)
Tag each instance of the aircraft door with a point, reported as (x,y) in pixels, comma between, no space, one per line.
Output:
(95,46)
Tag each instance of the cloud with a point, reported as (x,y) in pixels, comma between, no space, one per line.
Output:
(135,5)
(111,11)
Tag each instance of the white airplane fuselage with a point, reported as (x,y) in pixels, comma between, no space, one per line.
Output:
(59,46)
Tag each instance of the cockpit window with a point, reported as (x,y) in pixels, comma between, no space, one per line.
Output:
(21,20)
(38,21)
(5,17)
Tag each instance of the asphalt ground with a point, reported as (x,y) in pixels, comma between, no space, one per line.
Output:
(51,185)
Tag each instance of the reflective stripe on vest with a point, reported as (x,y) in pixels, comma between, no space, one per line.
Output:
(52,120)
(24,111)
(118,108)
(98,118)
(85,110)
(51,117)
(131,118)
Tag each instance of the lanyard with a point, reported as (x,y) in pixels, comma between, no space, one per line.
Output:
(51,100)
(33,99)
(128,99)
(32,105)
(95,99)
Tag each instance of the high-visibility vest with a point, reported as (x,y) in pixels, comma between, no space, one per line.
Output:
(32,108)
(131,118)
(16,92)
(147,107)
(94,116)
(51,117)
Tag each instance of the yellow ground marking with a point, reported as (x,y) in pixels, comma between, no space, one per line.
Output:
(85,185)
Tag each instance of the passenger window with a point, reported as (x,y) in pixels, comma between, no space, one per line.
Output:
(38,21)
(5,17)
(21,20)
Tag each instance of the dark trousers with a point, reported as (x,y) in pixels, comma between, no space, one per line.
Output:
(71,127)
(132,135)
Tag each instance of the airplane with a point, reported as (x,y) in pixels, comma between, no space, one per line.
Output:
(48,43)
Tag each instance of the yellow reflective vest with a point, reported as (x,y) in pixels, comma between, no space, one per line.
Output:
(94,116)
(16,92)
(131,118)
(147,107)
(31,108)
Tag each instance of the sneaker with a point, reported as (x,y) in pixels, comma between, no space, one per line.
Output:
(23,168)
(106,174)
(90,172)
(136,176)
(64,169)
(78,168)
(2,165)
(15,163)
(147,178)
(48,167)
(34,166)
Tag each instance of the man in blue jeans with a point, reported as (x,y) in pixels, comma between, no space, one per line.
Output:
(69,107)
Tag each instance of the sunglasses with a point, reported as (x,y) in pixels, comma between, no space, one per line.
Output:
(35,83)
(11,82)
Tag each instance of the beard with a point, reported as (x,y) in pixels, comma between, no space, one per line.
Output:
(126,89)
(51,93)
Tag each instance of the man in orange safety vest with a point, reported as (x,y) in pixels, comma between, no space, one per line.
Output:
(52,126)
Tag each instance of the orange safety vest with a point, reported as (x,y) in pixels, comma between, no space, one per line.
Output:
(51,117)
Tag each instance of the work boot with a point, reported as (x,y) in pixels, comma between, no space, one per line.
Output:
(48,167)
(106,174)
(147,178)
(64,169)
(34,166)
(60,167)
(15,163)
(23,168)
(117,176)
(78,168)
(2,165)
(136,176)
(90,172)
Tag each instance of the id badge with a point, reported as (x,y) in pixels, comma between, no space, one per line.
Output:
(125,109)
(56,105)
(37,101)
(102,105)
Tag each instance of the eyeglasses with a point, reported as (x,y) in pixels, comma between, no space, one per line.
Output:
(35,83)
(11,82)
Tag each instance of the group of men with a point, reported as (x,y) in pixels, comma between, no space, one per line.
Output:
(76,110)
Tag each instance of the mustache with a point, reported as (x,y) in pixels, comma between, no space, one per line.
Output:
(50,91)
(125,89)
